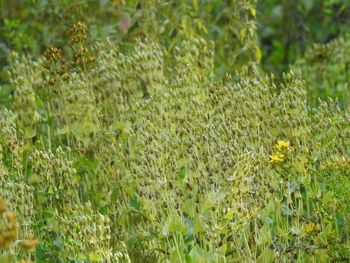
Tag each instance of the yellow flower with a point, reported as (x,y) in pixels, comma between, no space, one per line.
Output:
(343,162)
(303,171)
(328,164)
(276,157)
(312,227)
(282,145)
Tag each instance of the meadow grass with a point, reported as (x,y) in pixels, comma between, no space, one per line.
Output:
(146,156)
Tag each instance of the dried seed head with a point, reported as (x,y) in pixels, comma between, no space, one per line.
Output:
(53,54)
(9,235)
(3,206)
(30,243)
(77,33)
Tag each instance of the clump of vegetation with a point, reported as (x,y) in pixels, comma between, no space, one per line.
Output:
(142,150)
(325,69)
(145,157)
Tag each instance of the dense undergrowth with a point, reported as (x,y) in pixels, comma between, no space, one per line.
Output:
(146,155)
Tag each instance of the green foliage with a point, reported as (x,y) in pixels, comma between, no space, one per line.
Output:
(166,163)
(231,24)
(289,27)
(166,142)
(325,69)
(286,28)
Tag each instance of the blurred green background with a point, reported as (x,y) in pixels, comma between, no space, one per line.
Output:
(272,34)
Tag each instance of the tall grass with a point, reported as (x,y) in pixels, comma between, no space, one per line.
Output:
(147,156)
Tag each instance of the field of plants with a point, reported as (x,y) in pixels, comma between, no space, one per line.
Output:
(174,131)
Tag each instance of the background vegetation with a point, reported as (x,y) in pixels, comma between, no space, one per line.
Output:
(174,131)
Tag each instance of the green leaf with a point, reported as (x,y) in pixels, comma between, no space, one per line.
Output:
(195,256)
